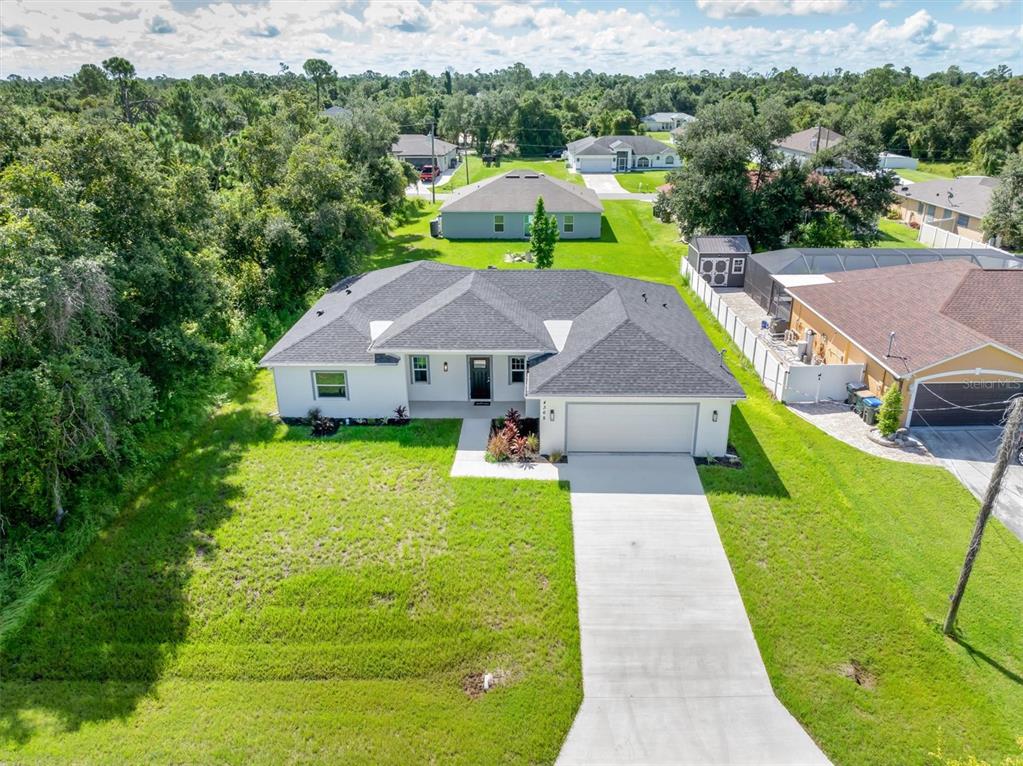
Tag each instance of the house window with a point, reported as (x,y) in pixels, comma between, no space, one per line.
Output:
(331,385)
(498,224)
(920,207)
(738,265)
(930,212)
(963,220)
(669,160)
(569,224)
(643,162)
(516,369)
(527,225)
(420,369)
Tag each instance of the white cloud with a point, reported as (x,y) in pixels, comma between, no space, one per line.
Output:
(887,4)
(724,9)
(984,6)
(46,38)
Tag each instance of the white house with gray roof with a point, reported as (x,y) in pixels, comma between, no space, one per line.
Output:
(419,150)
(502,208)
(607,363)
(666,121)
(620,154)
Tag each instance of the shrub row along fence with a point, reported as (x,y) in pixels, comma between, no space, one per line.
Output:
(787,382)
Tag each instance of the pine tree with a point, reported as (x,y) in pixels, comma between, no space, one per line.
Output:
(891,410)
(543,236)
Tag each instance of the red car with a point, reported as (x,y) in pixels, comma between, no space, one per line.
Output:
(427,173)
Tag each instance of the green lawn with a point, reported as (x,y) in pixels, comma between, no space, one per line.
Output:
(479,172)
(929,171)
(897,234)
(274,598)
(661,135)
(632,243)
(918,175)
(645,182)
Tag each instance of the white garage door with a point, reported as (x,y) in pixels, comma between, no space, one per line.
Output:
(630,427)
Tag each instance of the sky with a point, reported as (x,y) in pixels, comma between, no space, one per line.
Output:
(180,38)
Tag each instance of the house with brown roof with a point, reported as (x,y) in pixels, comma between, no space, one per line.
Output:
(949,333)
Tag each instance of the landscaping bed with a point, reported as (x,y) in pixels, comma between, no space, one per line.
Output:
(514,437)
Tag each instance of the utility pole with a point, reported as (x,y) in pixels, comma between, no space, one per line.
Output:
(465,159)
(433,156)
(1009,439)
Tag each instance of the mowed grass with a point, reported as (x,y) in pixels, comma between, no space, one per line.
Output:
(478,171)
(896,234)
(632,243)
(275,598)
(642,182)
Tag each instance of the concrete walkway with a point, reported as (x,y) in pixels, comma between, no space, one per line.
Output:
(969,453)
(603,183)
(838,420)
(671,671)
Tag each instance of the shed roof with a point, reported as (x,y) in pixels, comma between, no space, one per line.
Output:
(733,244)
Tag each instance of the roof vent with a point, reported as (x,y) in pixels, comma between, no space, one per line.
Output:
(644,297)
(348,291)
(319,312)
(665,305)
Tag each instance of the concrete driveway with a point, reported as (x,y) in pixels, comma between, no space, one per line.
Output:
(671,671)
(969,453)
(603,183)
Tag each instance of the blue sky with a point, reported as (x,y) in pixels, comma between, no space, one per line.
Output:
(184,37)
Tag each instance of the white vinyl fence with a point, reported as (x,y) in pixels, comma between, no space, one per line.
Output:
(935,236)
(787,383)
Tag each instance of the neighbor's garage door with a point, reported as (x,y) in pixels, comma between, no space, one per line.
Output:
(630,427)
(962,404)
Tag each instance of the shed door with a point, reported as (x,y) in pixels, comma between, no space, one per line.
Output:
(715,271)
(606,427)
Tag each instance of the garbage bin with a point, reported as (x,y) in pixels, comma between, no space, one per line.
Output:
(851,391)
(435,228)
(871,404)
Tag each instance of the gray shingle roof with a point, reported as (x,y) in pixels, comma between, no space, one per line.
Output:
(811,140)
(415,145)
(606,146)
(628,337)
(970,194)
(516,192)
(736,244)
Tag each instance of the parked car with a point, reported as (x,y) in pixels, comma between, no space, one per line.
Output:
(557,154)
(426,174)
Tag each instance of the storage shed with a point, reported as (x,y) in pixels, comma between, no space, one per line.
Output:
(720,260)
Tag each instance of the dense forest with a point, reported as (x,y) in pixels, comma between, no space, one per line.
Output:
(155,234)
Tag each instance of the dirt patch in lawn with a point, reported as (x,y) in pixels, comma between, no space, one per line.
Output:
(856,671)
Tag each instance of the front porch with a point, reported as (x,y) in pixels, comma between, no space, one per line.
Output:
(463,410)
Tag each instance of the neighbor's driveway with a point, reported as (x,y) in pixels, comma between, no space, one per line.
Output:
(671,671)
(603,183)
(969,453)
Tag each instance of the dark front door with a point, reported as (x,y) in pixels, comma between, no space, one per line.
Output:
(479,377)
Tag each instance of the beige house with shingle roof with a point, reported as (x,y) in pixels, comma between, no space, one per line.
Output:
(956,205)
(948,332)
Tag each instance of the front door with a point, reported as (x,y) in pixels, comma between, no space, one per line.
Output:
(623,161)
(479,377)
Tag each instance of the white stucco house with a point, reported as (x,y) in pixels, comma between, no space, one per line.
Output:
(502,207)
(620,154)
(607,363)
(666,121)
(419,150)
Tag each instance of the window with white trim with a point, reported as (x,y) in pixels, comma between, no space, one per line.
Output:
(331,384)
(643,162)
(738,265)
(516,369)
(568,224)
(498,224)
(420,366)
(669,160)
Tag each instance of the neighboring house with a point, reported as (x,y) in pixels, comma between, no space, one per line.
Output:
(949,333)
(337,112)
(620,154)
(770,274)
(806,143)
(720,260)
(664,121)
(418,150)
(607,363)
(956,205)
(889,161)
(502,208)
